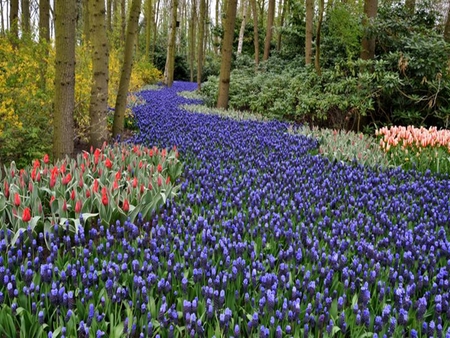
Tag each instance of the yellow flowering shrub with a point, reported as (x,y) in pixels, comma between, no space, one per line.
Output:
(27,89)
(26,94)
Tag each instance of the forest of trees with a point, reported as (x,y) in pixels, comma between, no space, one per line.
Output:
(307,53)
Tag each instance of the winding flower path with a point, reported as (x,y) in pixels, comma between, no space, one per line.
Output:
(267,239)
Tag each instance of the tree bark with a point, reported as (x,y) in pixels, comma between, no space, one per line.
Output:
(268,40)
(64,101)
(309,31)
(227,51)
(192,39)
(86,24)
(14,19)
(170,59)
(98,108)
(44,20)
(283,5)
(242,29)
(26,28)
(200,46)
(109,16)
(318,31)
(447,27)
(123,18)
(368,42)
(2,18)
(255,32)
(121,101)
(148,26)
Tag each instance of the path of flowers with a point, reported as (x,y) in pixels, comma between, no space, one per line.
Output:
(287,241)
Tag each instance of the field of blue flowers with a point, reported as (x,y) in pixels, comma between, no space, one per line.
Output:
(265,239)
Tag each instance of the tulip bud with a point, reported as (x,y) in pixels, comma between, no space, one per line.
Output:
(78,206)
(108,163)
(72,195)
(46,159)
(126,205)
(159,167)
(17,199)
(26,215)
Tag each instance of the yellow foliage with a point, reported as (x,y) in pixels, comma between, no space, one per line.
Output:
(27,90)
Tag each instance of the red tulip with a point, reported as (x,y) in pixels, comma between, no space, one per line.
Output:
(95,187)
(168,180)
(126,205)
(52,199)
(46,159)
(26,215)
(118,175)
(105,196)
(63,168)
(159,181)
(72,195)
(66,179)
(64,206)
(159,167)
(36,164)
(38,177)
(78,206)
(115,185)
(88,193)
(16,199)
(6,184)
(108,163)
(135,182)
(150,153)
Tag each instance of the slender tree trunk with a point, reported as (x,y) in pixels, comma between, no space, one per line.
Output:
(268,40)
(44,20)
(255,32)
(318,31)
(2,18)
(283,5)
(64,102)
(242,29)
(227,50)
(200,46)
(192,39)
(123,18)
(100,74)
(26,28)
(121,101)
(86,24)
(155,27)
(14,19)
(170,59)
(447,27)
(109,5)
(309,31)
(368,42)
(216,41)
(148,25)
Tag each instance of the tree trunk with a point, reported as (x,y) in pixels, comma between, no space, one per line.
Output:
(98,108)
(200,46)
(410,6)
(123,18)
(155,28)
(216,23)
(227,50)
(26,28)
(242,29)
(149,24)
(268,40)
(2,18)
(447,27)
(255,32)
(318,31)
(170,59)
(44,20)
(14,20)
(86,24)
(109,15)
(368,42)
(121,101)
(309,31)
(192,39)
(64,102)
(283,5)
